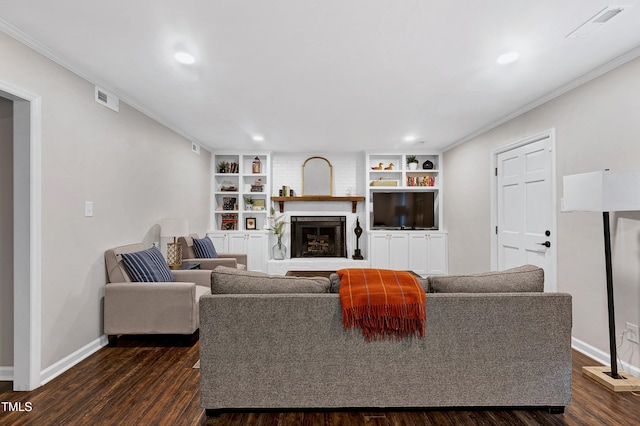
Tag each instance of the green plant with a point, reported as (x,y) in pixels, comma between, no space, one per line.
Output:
(248,201)
(412,159)
(222,167)
(277,223)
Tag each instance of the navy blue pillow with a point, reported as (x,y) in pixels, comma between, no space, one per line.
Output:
(204,249)
(147,266)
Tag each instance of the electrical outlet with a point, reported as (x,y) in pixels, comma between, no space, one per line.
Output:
(632,333)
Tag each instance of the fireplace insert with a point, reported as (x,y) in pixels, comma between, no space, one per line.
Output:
(318,236)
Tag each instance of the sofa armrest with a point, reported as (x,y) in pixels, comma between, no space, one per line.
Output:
(142,308)
(200,277)
(212,264)
(241,258)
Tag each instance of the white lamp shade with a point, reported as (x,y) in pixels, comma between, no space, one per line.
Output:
(602,191)
(174,227)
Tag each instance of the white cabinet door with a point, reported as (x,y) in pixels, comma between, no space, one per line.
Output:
(399,251)
(437,260)
(257,252)
(419,253)
(389,251)
(237,243)
(428,253)
(220,241)
(379,251)
(254,245)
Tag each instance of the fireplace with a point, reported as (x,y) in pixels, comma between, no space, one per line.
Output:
(318,236)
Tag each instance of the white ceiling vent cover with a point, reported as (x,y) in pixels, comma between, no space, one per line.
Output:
(597,21)
(107,99)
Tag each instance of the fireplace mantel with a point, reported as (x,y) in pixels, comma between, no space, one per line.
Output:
(353,199)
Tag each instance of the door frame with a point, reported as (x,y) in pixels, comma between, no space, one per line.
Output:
(27,250)
(551,282)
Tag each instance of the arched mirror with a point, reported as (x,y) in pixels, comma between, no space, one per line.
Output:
(317,176)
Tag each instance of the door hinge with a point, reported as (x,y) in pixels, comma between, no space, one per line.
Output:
(496,171)
(496,230)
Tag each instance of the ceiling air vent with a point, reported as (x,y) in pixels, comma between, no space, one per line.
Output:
(107,99)
(597,21)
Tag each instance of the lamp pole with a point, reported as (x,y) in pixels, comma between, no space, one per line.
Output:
(610,305)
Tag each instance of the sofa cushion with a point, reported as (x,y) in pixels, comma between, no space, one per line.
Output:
(234,281)
(527,278)
(147,266)
(204,249)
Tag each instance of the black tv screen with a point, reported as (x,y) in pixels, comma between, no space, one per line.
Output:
(403,210)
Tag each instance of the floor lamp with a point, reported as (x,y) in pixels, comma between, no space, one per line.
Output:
(605,191)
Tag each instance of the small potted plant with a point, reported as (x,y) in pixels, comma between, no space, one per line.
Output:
(248,203)
(412,162)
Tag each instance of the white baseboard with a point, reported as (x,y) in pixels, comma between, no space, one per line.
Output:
(6,374)
(69,361)
(602,357)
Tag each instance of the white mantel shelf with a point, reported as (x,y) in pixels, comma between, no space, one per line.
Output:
(353,199)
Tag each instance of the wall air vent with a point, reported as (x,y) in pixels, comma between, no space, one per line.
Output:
(195,148)
(597,21)
(107,99)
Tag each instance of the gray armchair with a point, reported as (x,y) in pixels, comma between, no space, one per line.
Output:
(230,260)
(148,307)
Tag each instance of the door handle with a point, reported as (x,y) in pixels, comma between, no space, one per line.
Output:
(546,244)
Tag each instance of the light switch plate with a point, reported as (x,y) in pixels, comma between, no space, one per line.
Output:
(88,208)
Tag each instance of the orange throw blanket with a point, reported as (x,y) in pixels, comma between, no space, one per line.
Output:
(382,303)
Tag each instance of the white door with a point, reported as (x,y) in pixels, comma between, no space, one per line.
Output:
(525,208)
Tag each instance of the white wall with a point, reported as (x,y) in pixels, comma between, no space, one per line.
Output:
(6,233)
(597,127)
(133,169)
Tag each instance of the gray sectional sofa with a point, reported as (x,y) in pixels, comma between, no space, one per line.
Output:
(265,346)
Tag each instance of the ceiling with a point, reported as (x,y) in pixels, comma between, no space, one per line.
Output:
(328,75)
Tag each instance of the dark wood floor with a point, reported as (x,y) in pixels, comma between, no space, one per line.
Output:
(150,381)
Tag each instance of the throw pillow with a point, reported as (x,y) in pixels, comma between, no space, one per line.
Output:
(147,266)
(226,280)
(527,278)
(204,249)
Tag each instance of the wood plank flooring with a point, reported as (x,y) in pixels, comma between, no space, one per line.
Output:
(150,381)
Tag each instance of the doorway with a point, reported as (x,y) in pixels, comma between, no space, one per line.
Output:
(26,204)
(523,228)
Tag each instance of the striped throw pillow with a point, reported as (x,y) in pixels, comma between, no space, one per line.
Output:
(204,249)
(147,266)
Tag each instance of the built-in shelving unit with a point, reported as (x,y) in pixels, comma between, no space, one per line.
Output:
(423,251)
(240,202)
(240,191)
(389,172)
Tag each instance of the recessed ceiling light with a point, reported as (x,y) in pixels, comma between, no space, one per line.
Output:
(258,138)
(184,58)
(410,139)
(507,58)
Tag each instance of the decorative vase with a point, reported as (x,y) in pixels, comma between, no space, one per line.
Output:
(279,251)
(413,166)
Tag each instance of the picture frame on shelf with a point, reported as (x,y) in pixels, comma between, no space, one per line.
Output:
(250,223)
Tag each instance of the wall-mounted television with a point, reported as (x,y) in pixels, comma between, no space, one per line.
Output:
(403,210)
